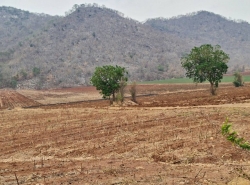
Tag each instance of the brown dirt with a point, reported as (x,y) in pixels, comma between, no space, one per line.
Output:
(10,99)
(170,138)
(64,95)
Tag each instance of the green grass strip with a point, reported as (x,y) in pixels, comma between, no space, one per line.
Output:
(188,80)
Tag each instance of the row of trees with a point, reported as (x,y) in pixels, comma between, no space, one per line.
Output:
(204,63)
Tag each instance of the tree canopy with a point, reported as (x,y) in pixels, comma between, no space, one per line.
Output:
(206,63)
(108,79)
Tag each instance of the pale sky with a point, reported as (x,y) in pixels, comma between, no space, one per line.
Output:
(141,10)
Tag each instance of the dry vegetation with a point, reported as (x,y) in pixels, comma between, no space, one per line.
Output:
(151,143)
(206,27)
(54,96)
(67,49)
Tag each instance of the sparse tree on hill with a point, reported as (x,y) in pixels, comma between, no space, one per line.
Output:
(206,63)
(36,71)
(108,80)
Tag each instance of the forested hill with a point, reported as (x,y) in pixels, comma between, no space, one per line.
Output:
(42,51)
(206,27)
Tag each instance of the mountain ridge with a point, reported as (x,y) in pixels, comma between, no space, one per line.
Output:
(206,27)
(67,49)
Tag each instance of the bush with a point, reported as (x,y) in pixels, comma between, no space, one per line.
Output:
(233,137)
(13,83)
(120,94)
(132,91)
(238,80)
(119,98)
(24,74)
(160,68)
(36,71)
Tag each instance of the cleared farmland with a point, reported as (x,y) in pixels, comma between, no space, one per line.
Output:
(172,136)
(10,99)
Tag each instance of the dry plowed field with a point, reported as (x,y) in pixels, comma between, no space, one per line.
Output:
(10,99)
(172,136)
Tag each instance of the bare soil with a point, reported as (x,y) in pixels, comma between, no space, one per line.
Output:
(172,136)
(11,99)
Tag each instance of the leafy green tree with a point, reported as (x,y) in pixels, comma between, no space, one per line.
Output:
(108,80)
(206,63)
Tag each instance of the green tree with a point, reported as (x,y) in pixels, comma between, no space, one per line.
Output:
(206,63)
(108,80)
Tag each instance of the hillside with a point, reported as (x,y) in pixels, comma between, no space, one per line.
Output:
(42,51)
(206,27)
(69,49)
(17,25)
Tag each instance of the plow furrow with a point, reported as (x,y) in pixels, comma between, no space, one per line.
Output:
(10,99)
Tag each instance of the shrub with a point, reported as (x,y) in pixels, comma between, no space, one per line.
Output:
(13,83)
(160,68)
(24,74)
(233,136)
(36,71)
(238,80)
(120,94)
(132,91)
(119,98)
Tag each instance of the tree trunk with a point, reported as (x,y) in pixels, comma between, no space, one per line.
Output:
(110,101)
(213,88)
(113,95)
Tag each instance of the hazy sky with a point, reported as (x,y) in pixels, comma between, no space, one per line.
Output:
(141,9)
